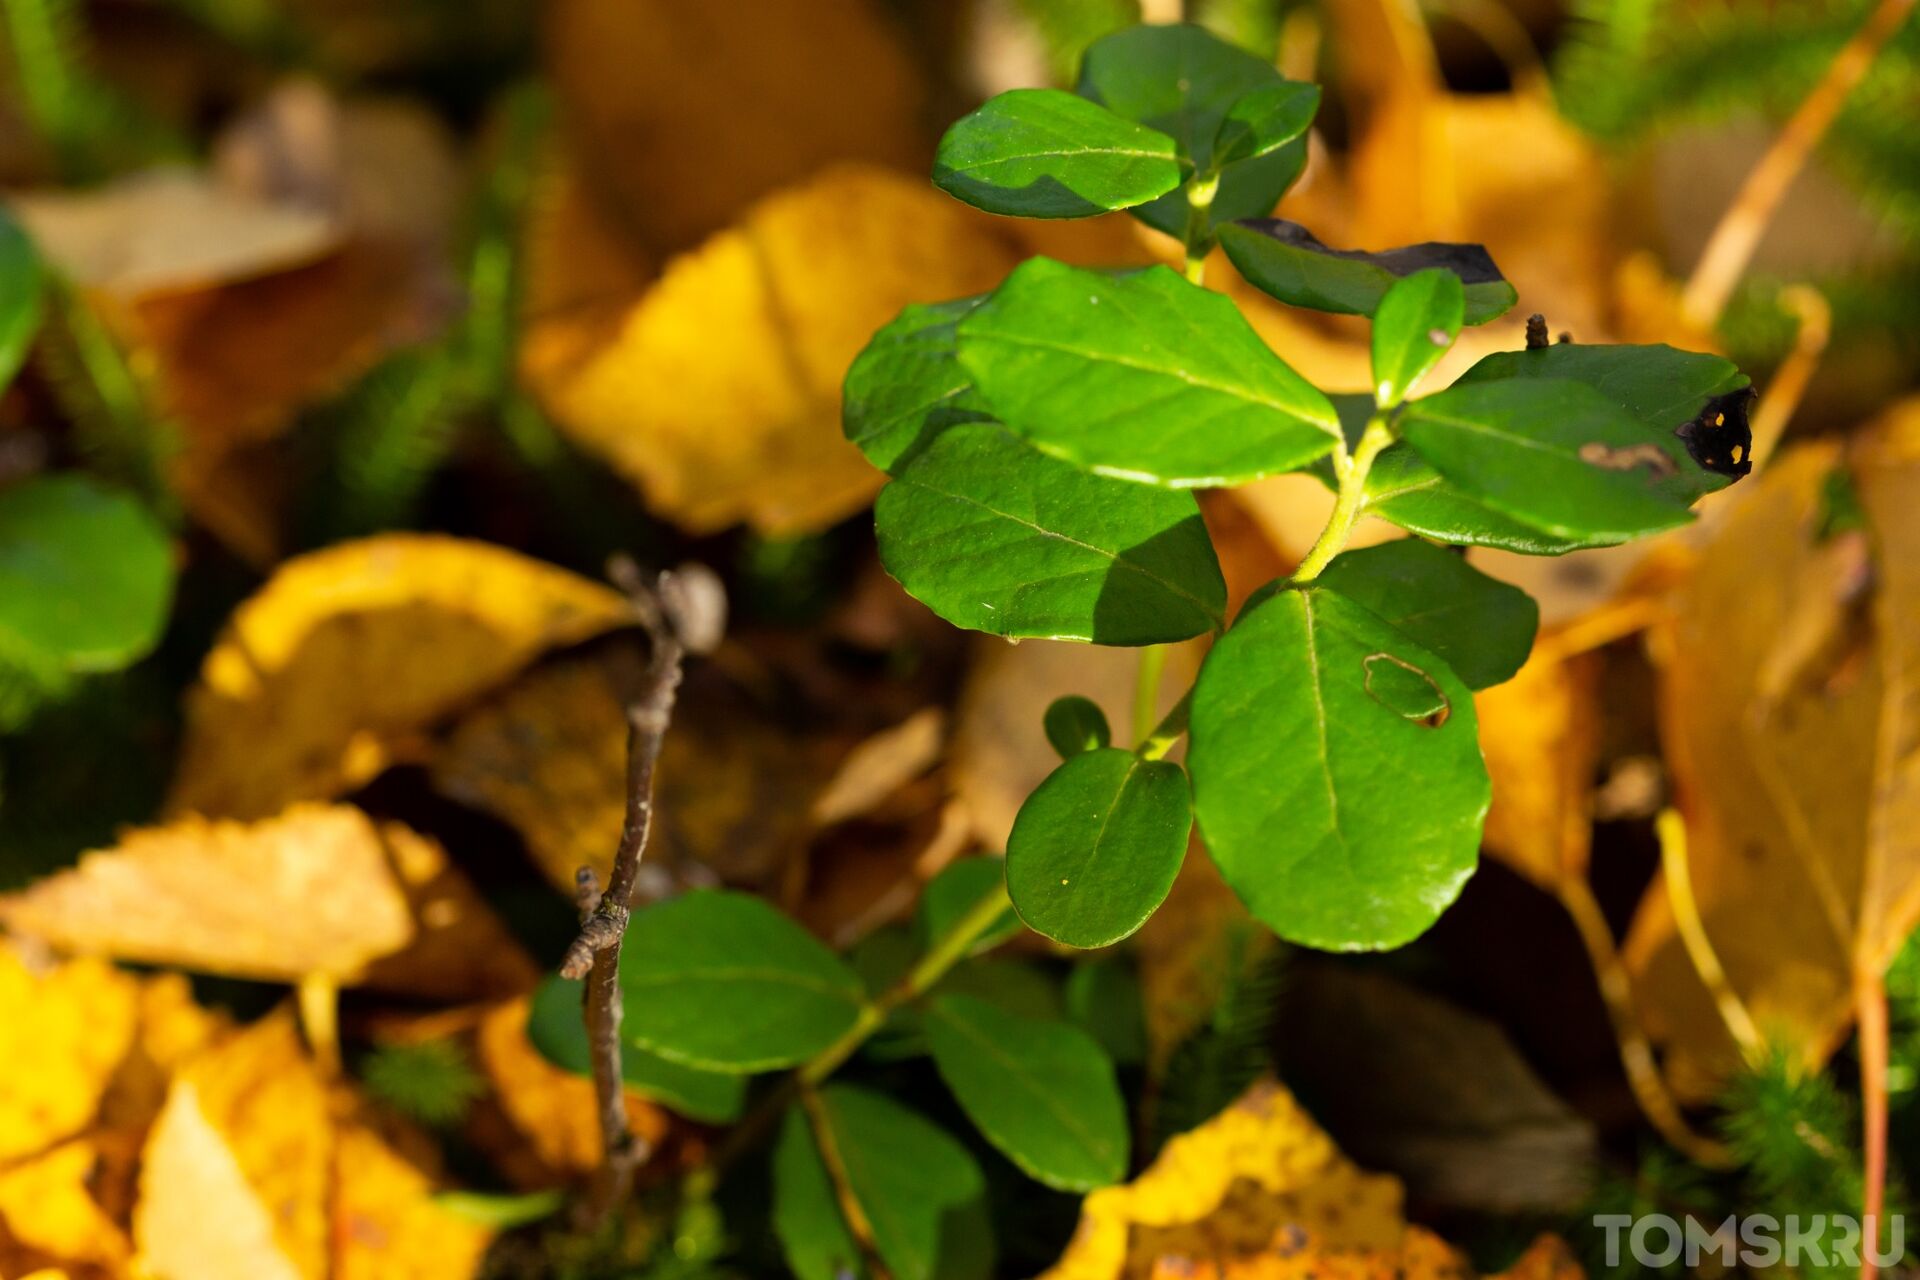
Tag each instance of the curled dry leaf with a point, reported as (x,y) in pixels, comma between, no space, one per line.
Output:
(732,101)
(320,677)
(1260,1192)
(319,890)
(1789,723)
(719,393)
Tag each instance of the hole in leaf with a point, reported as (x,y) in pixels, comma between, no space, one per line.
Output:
(1627,457)
(1406,690)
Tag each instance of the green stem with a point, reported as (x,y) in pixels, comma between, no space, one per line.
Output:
(1352,472)
(951,948)
(1200,193)
(1155,745)
(1146,689)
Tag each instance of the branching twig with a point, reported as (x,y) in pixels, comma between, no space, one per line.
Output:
(683,612)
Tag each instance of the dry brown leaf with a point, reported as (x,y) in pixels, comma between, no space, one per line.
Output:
(345,652)
(236,1172)
(460,948)
(1788,718)
(63,1031)
(880,766)
(720,393)
(1258,1191)
(1540,734)
(1200,940)
(386,1225)
(690,112)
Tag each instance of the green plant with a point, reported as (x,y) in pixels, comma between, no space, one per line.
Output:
(1044,442)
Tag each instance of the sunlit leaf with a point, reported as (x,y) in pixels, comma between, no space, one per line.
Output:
(1286,260)
(907,385)
(1044,153)
(1481,627)
(1413,328)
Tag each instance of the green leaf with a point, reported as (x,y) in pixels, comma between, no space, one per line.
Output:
(1286,260)
(1045,153)
(906,386)
(724,981)
(1414,326)
(1144,376)
(997,537)
(1336,772)
(1404,488)
(503,1212)
(1479,626)
(1264,121)
(1096,846)
(1556,455)
(806,1215)
(1075,724)
(1042,1092)
(1702,399)
(919,1188)
(959,888)
(555,1027)
(21,281)
(1185,81)
(86,575)
(1104,1000)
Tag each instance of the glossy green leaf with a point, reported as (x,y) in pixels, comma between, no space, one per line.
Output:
(1144,376)
(919,1188)
(959,888)
(555,1027)
(1075,724)
(501,1211)
(806,1214)
(1336,772)
(1404,488)
(724,981)
(1096,846)
(1702,399)
(1286,260)
(1479,626)
(995,536)
(1554,454)
(1045,153)
(1264,121)
(1413,327)
(1185,81)
(1104,1000)
(906,386)
(86,575)
(1014,985)
(21,284)
(1042,1092)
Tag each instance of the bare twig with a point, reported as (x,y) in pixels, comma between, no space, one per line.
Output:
(683,612)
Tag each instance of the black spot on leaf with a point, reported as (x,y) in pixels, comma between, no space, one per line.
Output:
(1718,437)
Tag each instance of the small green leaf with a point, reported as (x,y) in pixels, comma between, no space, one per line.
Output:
(1336,772)
(1264,121)
(1042,1092)
(959,888)
(1554,454)
(725,982)
(1104,1000)
(1286,260)
(1481,627)
(1144,376)
(1075,724)
(906,386)
(919,1188)
(1097,845)
(555,1027)
(1184,81)
(1700,398)
(1414,326)
(996,537)
(85,576)
(1044,153)
(806,1215)
(21,282)
(503,1212)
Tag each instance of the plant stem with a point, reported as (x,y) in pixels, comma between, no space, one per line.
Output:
(854,1213)
(1146,689)
(1741,227)
(1672,833)
(1870,1002)
(1352,472)
(950,949)
(1155,745)
(1200,193)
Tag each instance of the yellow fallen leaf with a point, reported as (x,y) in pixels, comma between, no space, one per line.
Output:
(170,1030)
(460,950)
(46,1207)
(731,101)
(386,1225)
(720,393)
(63,1031)
(1540,734)
(236,1173)
(322,675)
